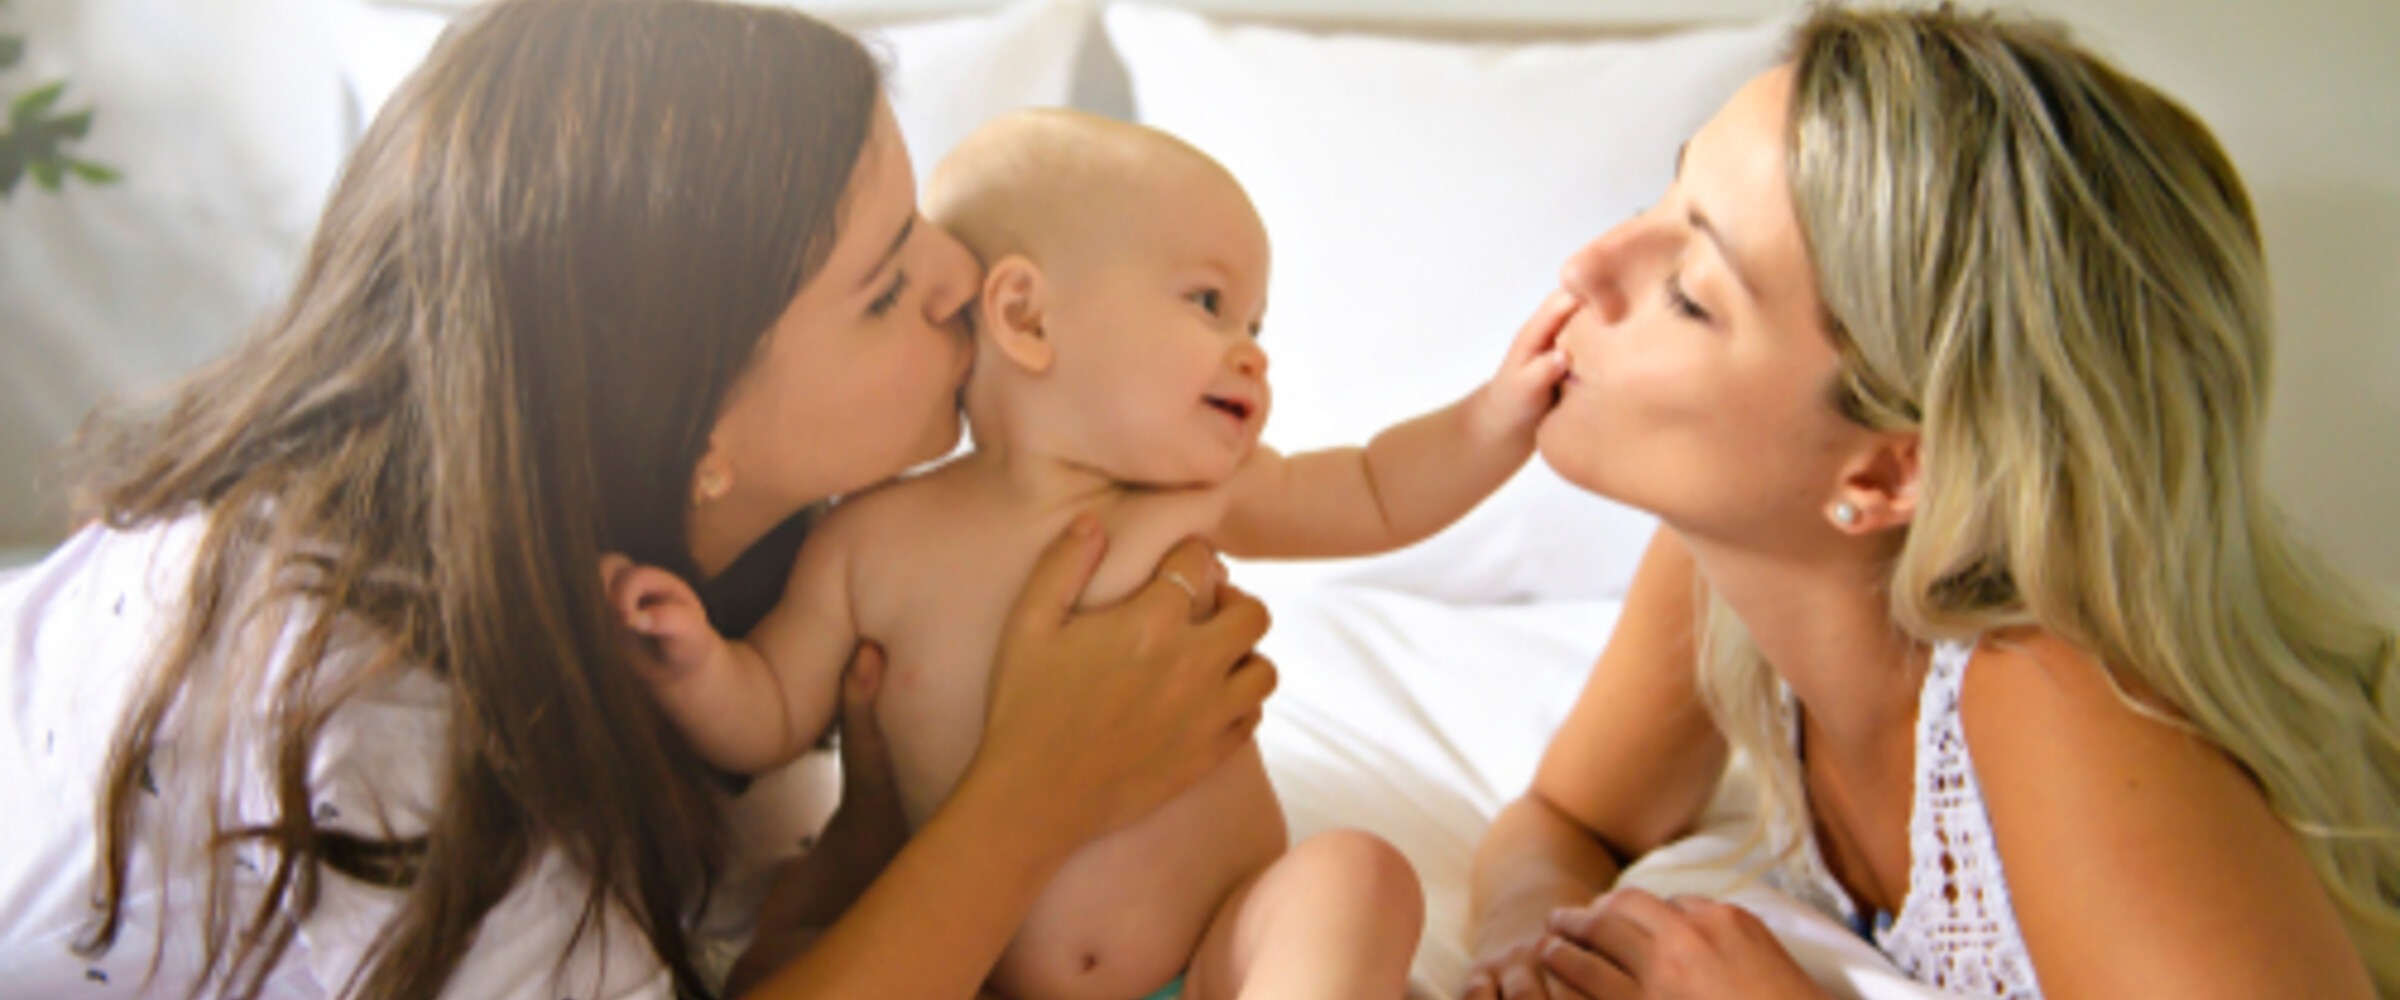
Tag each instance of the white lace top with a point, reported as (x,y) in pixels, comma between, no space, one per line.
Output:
(1956,929)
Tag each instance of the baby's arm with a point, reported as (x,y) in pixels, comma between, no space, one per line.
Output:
(751,704)
(1411,480)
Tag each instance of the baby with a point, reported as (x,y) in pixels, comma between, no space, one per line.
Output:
(1118,372)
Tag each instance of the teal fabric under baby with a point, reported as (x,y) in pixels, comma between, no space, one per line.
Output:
(1172,990)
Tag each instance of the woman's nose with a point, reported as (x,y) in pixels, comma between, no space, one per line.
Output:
(1595,273)
(952,276)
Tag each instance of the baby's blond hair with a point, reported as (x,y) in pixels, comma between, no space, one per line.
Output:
(1043,182)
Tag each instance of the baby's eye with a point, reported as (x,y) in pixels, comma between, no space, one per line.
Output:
(1208,299)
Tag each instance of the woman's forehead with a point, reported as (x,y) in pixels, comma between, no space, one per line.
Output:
(877,209)
(1734,175)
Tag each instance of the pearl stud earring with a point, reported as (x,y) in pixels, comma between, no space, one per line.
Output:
(1845,514)
(712,485)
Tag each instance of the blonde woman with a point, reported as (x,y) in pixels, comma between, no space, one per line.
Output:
(1943,363)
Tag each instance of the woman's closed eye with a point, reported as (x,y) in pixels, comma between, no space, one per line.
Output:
(1682,303)
(891,296)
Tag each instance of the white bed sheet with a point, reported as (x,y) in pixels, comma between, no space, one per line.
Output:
(1417,720)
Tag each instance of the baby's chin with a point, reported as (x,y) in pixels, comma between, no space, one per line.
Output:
(1196,475)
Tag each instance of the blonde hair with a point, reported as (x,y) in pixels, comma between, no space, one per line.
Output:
(2051,272)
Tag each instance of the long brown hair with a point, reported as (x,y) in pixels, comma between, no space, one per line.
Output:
(544,267)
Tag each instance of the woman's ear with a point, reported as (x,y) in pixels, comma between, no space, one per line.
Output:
(1879,488)
(1015,296)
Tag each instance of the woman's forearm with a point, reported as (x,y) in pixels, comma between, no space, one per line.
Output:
(1532,860)
(936,921)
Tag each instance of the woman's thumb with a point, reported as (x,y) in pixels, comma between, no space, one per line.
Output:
(864,758)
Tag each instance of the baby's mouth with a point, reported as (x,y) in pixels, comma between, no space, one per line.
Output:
(1233,407)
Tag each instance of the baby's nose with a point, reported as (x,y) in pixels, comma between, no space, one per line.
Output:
(1249,360)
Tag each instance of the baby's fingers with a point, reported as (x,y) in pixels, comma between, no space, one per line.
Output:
(654,602)
(1539,335)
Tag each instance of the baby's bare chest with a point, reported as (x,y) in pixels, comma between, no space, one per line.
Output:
(938,600)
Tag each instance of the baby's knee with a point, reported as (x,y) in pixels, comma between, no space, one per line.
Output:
(1360,865)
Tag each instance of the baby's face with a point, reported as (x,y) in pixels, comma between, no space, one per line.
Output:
(1159,337)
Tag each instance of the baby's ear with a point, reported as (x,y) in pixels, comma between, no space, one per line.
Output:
(1014,297)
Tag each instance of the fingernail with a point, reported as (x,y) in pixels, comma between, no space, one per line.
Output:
(1084,526)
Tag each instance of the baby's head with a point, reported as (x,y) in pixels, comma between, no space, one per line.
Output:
(1118,320)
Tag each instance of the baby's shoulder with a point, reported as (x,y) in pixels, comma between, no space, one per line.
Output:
(902,506)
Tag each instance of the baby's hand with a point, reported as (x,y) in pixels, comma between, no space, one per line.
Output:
(1515,400)
(666,613)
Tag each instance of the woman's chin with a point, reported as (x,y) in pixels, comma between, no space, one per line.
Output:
(1582,462)
(1557,443)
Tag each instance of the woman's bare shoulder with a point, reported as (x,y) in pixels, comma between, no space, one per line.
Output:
(2046,721)
(2103,800)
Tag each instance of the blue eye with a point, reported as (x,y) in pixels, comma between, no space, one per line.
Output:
(891,296)
(1682,303)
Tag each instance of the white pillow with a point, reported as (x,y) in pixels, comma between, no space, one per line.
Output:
(379,45)
(1421,196)
(948,74)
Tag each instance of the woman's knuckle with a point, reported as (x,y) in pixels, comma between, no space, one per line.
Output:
(1677,942)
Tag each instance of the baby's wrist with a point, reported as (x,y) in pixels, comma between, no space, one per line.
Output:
(1495,419)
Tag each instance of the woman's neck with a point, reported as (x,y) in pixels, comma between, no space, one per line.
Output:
(1823,622)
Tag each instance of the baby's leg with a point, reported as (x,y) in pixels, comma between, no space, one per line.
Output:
(1336,918)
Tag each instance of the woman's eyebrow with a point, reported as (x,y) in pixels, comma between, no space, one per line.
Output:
(1724,251)
(889,252)
(1724,247)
